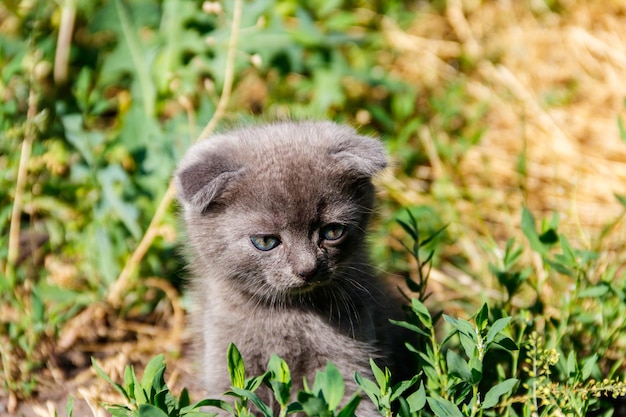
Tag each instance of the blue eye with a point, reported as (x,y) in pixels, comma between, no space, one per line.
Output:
(332,231)
(265,242)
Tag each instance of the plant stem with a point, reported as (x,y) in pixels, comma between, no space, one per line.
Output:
(66,28)
(22,172)
(115,294)
(229,75)
(439,362)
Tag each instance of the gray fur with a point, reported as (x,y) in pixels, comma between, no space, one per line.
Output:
(308,300)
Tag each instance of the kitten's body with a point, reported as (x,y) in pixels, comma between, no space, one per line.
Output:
(276,219)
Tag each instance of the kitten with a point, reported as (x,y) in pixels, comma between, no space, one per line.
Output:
(276,218)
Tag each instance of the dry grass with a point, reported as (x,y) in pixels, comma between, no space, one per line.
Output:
(554,84)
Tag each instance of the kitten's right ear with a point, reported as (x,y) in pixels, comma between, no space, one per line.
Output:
(203,177)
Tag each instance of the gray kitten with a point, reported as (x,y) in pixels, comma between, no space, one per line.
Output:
(276,218)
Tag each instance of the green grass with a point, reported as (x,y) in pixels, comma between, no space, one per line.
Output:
(86,213)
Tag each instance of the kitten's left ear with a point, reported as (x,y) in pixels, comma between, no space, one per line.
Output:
(361,156)
(206,174)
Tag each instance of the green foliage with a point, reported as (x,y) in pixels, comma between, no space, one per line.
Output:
(495,363)
(454,383)
(150,396)
(384,396)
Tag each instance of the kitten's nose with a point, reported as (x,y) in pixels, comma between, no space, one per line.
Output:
(308,274)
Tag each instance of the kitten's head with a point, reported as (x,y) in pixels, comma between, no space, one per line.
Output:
(279,210)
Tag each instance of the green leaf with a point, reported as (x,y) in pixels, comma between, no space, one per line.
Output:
(330,383)
(313,405)
(411,231)
(433,236)
(622,129)
(254,399)
(148,410)
(349,409)
(280,379)
(199,414)
(221,404)
(427,357)
(409,326)
(572,366)
(152,379)
(38,309)
(417,400)
(470,345)
(104,376)
(369,387)
(476,369)
(493,395)
(506,343)
(422,313)
(443,408)
(169,403)
(561,268)
(110,179)
(511,280)
(482,317)
(379,375)
(528,228)
(255,382)
(568,251)
(463,326)
(120,411)
(457,366)
(588,367)
(549,237)
(401,387)
(183,400)
(236,367)
(84,141)
(129,380)
(496,328)
(403,408)
(511,253)
(596,291)
(279,369)
(139,394)
(324,96)
(69,406)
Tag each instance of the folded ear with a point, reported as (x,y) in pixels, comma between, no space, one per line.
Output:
(360,156)
(204,175)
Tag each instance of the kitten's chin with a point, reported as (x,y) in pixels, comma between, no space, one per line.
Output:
(293,289)
(306,288)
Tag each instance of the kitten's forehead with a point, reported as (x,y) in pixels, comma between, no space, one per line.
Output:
(294,190)
(288,166)
(294,158)
(290,178)
(288,144)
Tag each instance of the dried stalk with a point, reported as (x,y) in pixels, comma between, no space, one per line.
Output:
(22,173)
(115,295)
(66,28)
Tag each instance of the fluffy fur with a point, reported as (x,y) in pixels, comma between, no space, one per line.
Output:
(302,189)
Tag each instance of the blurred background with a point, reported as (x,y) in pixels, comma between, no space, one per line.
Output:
(489,110)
